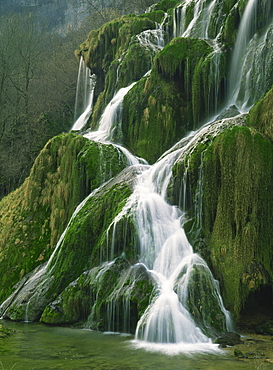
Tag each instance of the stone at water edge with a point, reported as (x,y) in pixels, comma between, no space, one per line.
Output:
(228,339)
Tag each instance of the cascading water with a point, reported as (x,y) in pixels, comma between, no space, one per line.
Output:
(84,96)
(164,248)
(198,26)
(250,61)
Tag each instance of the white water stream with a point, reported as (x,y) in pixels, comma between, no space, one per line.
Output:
(164,247)
(84,96)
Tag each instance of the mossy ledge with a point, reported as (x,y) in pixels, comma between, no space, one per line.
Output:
(96,300)
(33,217)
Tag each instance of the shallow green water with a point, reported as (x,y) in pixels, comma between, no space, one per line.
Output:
(36,346)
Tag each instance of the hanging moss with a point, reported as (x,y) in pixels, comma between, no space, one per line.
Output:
(76,301)
(171,60)
(236,195)
(119,306)
(238,209)
(179,93)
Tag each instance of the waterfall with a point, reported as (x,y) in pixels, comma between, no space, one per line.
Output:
(153,40)
(166,251)
(109,125)
(199,25)
(251,60)
(245,32)
(163,245)
(84,96)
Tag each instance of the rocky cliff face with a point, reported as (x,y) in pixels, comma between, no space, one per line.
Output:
(179,83)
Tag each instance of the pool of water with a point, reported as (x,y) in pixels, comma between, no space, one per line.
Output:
(36,346)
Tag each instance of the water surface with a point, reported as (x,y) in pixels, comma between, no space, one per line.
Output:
(36,346)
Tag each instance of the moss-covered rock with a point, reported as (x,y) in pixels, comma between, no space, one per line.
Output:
(104,52)
(110,297)
(261,115)
(229,208)
(33,217)
(85,243)
(202,297)
(172,100)
(237,206)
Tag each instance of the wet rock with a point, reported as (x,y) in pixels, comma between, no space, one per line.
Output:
(228,339)
(229,112)
(249,355)
(265,328)
(238,353)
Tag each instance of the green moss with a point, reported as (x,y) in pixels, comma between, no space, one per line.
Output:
(165,5)
(135,64)
(85,243)
(112,297)
(162,108)
(104,52)
(33,217)
(231,27)
(203,300)
(235,191)
(155,16)
(238,209)
(153,124)
(261,115)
